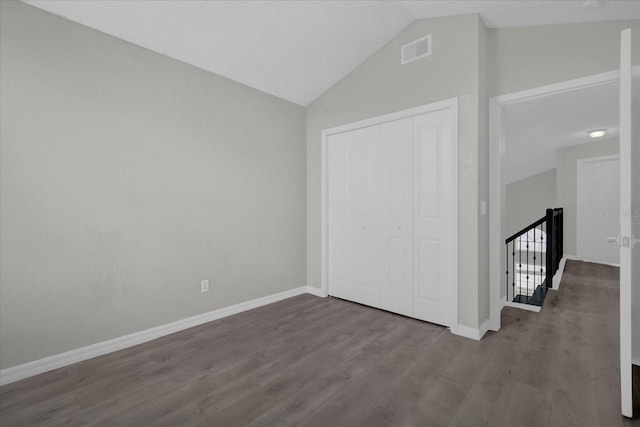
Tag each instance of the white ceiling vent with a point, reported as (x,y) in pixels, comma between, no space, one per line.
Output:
(416,49)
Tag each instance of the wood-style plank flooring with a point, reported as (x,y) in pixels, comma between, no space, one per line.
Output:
(309,361)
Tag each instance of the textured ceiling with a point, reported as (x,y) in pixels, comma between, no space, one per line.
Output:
(297,50)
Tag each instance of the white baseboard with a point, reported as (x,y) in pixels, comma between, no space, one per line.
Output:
(484,328)
(316,291)
(557,278)
(50,363)
(527,307)
(472,333)
(503,302)
(494,324)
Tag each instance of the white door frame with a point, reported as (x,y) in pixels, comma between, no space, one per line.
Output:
(448,104)
(497,107)
(579,212)
(626,226)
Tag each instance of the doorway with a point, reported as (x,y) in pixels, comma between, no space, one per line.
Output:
(629,225)
(503,173)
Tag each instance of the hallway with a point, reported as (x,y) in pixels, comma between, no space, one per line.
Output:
(569,351)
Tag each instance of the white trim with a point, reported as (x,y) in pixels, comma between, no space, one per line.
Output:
(50,363)
(580,201)
(455,318)
(527,307)
(484,328)
(557,278)
(626,199)
(496,159)
(472,333)
(316,291)
(397,115)
(447,104)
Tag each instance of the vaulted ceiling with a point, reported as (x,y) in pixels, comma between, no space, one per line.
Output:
(297,50)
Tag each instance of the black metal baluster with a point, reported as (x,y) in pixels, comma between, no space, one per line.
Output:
(549,245)
(513,263)
(528,295)
(520,267)
(507,254)
(560,235)
(541,246)
(534,260)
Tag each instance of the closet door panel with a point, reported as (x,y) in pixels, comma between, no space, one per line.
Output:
(341,259)
(427,285)
(361,182)
(353,246)
(432,217)
(395,214)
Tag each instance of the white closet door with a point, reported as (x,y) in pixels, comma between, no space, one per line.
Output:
(433,213)
(393,172)
(390,194)
(354,246)
(370,216)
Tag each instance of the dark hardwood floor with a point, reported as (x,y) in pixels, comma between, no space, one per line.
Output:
(308,361)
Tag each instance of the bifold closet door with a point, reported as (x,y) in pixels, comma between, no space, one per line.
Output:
(370,216)
(391,209)
(432,217)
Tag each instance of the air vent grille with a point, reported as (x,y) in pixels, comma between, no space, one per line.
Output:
(416,49)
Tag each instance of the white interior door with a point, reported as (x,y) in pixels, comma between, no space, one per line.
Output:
(433,213)
(629,223)
(598,207)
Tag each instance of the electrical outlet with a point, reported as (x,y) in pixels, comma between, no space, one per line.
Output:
(204,286)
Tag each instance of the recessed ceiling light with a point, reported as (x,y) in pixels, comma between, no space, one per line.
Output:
(597,133)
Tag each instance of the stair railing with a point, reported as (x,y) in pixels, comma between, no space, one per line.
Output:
(533,257)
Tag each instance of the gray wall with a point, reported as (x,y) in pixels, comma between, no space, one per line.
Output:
(527,200)
(522,58)
(126,178)
(567,182)
(381,85)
